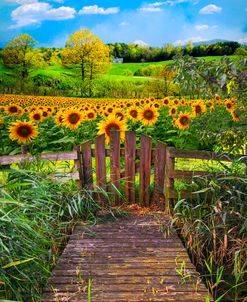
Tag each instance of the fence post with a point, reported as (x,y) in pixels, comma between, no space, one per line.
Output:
(87,169)
(145,170)
(130,156)
(23,149)
(100,163)
(169,178)
(77,163)
(159,174)
(115,163)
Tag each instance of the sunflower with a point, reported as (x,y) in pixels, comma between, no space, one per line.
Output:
(148,115)
(90,115)
(111,123)
(234,115)
(72,118)
(23,132)
(166,102)
(182,122)
(118,113)
(133,113)
(229,105)
(36,116)
(14,110)
(198,108)
(173,111)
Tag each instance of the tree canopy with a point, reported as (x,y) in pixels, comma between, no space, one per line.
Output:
(89,53)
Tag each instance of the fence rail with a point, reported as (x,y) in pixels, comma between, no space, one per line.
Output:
(130,170)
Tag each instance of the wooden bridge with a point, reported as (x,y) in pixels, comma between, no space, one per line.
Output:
(132,259)
(138,258)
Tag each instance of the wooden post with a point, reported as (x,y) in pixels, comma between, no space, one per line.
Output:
(23,149)
(130,155)
(87,165)
(159,174)
(77,163)
(169,178)
(145,170)
(115,163)
(100,163)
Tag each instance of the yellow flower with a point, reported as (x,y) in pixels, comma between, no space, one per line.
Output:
(198,108)
(234,115)
(173,111)
(133,113)
(14,110)
(182,122)
(148,115)
(90,115)
(72,118)
(36,116)
(23,132)
(112,123)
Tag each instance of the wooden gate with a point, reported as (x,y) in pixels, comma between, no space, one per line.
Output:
(139,174)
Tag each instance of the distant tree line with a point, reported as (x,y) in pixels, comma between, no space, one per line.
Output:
(138,53)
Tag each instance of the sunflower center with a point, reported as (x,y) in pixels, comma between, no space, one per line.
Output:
(90,115)
(228,105)
(45,114)
(184,120)
(13,109)
(198,109)
(110,110)
(74,118)
(133,113)
(111,127)
(148,114)
(36,116)
(24,131)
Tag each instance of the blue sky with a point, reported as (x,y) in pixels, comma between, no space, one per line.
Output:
(155,23)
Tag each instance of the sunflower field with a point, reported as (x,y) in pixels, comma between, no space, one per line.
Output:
(58,123)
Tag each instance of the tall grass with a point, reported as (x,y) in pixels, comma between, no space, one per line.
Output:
(37,214)
(214,229)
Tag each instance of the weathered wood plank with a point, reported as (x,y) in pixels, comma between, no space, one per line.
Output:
(159,174)
(115,164)
(169,180)
(145,170)
(130,155)
(87,169)
(100,161)
(142,268)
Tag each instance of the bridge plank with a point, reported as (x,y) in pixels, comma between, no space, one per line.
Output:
(131,259)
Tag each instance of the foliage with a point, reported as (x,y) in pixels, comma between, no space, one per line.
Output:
(19,53)
(37,213)
(91,55)
(201,79)
(213,227)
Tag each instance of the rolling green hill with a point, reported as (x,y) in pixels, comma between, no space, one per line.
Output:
(117,71)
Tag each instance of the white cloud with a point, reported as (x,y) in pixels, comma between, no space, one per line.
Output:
(124,23)
(150,9)
(21,2)
(192,39)
(140,43)
(96,10)
(200,27)
(35,13)
(210,9)
(243,40)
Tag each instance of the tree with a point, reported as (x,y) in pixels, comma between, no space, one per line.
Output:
(85,49)
(18,53)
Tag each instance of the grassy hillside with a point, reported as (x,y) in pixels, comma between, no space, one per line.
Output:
(117,71)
